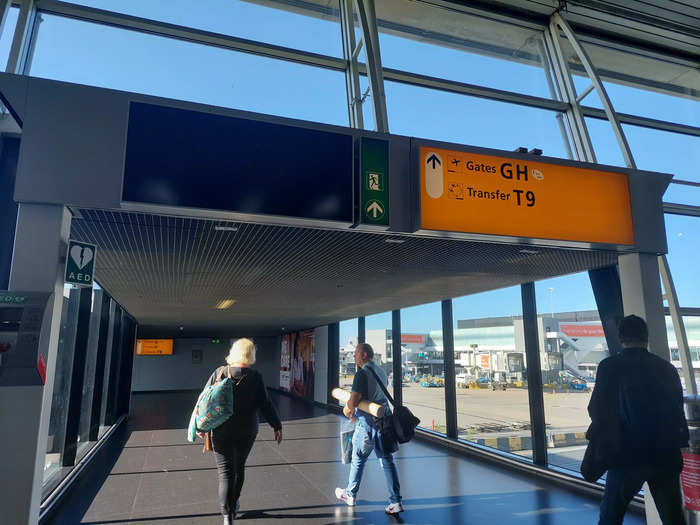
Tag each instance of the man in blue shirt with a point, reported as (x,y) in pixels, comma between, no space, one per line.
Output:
(366,437)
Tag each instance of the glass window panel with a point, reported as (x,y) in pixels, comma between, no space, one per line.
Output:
(8,33)
(604,142)
(664,88)
(572,345)
(683,238)
(61,387)
(660,106)
(692,332)
(378,334)
(491,371)
(346,362)
(667,152)
(582,82)
(446,43)
(438,115)
(682,194)
(424,377)
(634,101)
(312,27)
(143,63)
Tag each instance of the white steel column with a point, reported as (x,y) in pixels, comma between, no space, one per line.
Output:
(351,50)
(41,240)
(20,52)
(678,327)
(565,89)
(368,21)
(558,21)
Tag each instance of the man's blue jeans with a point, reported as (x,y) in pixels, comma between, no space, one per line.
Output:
(622,483)
(364,441)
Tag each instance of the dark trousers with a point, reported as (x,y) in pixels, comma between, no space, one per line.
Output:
(622,483)
(231,455)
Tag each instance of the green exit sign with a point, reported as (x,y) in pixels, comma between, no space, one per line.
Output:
(374,169)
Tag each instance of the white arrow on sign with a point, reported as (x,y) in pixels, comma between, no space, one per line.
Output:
(81,256)
(434,185)
(375,209)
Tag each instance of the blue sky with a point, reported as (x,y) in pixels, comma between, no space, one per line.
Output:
(80,52)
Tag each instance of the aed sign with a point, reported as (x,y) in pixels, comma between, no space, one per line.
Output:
(80,263)
(154,347)
(476,193)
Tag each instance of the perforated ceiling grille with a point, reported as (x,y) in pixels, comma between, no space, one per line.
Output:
(173,271)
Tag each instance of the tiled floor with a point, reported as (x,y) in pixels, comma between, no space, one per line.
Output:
(152,475)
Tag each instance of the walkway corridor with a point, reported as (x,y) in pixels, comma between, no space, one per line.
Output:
(151,476)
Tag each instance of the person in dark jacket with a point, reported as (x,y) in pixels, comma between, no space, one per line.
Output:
(233,440)
(636,411)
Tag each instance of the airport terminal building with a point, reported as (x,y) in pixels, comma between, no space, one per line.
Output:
(572,341)
(483,189)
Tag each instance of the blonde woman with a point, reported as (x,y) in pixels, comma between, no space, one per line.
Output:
(233,440)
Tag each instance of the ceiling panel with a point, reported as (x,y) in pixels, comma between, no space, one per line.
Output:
(173,271)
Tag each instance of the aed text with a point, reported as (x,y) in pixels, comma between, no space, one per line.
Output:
(82,277)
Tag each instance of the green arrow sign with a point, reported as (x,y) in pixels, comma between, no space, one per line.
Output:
(375,181)
(80,263)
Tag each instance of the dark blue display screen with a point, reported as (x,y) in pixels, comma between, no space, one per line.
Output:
(186,158)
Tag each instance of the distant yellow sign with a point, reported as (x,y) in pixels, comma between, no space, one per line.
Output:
(474,193)
(154,347)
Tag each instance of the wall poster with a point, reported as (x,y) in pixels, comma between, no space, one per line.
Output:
(297,363)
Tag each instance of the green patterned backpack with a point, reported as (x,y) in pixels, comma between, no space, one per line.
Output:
(214,406)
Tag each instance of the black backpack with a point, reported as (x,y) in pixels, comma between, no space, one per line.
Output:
(397,427)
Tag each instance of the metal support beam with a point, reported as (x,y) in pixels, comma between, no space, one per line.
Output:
(5,7)
(396,355)
(368,21)
(448,356)
(605,283)
(361,329)
(20,51)
(558,21)
(566,92)
(352,75)
(534,375)
(70,443)
(548,66)
(678,327)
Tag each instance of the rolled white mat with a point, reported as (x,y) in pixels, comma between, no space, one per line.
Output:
(374,409)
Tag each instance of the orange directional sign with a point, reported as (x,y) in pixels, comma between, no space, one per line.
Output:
(475,193)
(154,346)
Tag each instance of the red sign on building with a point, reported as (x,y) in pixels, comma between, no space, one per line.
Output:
(582,330)
(413,338)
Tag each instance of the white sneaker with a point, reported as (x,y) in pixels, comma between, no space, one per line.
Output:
(342,494)
(394,508)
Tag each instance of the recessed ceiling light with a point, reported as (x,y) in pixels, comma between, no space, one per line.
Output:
(395,241)
(224,304)
(220,228)
(529,252)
